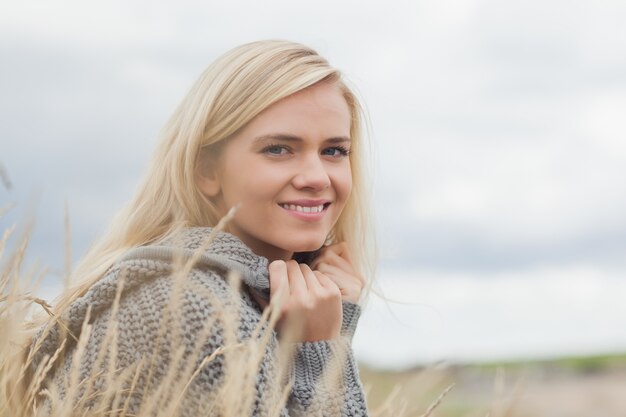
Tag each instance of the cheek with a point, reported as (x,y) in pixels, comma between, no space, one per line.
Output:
(344,183)
(254,187)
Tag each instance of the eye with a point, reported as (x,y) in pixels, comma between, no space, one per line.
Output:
(336,151)
(275,150)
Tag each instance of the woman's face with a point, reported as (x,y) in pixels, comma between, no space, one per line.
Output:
(289,169)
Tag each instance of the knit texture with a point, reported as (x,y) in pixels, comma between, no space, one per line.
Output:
(166,324)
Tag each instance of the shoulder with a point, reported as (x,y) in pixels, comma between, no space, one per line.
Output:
(144,282)
(162,305)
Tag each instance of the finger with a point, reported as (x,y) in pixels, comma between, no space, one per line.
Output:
(326,282)
(347,267)
(347,285)
(297,284)
(310,278)
(332,258)
(342,250)
(279,283)
(337,275)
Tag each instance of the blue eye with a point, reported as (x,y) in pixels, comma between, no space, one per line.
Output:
(336,151)
(275,150)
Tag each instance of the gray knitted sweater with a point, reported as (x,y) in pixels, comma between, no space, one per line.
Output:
(155,337)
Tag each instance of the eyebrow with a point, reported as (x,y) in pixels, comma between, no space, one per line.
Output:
(292,138)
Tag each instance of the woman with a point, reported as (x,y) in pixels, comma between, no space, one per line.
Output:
(271,130)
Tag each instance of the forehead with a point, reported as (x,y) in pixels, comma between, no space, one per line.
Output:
(318,112)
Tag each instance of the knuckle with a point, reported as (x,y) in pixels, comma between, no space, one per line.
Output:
(327,296)
(333,292)
(308,304)
(277,265)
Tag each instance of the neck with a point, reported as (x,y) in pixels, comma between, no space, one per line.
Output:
(272,253)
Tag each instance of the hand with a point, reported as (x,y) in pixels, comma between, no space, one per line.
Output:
(310,305)
(334,262)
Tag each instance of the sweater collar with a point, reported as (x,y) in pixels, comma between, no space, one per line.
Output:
(224,251)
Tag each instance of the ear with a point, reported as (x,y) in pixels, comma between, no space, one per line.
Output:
(207,178)
(209,185)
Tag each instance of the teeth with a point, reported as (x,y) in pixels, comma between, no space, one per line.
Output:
(303,209)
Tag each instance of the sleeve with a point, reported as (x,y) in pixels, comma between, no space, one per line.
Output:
(172,337)
(325,374)
(165,345)
(351,314)
(195,359)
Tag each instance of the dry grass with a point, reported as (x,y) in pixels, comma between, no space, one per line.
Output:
(30,388)
(571,387)
(26,390)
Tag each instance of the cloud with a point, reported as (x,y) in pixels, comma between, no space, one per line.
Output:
(498,138)
(508,138)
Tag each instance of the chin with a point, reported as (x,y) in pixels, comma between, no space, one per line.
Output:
(307,245)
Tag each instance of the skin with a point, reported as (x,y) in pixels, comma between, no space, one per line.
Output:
(295,151)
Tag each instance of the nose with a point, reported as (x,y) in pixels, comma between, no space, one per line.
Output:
(312,174)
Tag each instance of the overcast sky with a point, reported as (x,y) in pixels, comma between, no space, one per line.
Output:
(498,132)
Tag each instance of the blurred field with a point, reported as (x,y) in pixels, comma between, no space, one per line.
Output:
(592,386)
(572,387)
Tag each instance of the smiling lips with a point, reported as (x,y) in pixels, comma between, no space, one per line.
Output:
(304,209)
(309,209)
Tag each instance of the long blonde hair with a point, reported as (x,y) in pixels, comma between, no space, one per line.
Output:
(229,94)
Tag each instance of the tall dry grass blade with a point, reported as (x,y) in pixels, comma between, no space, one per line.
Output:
(271,315)
(507,404)
(178,369)
(220,350)
(161,396)
(107,352)
(235,370)
(256,345)
(207,242)
(111,401)
(15,308)
(179,277)
(5,238)
(133,385)
(436,403)
(10,273)
(388,405)
(73,380)
(42,373)
(499,383)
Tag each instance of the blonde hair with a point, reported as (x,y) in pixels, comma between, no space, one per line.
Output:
(229,94)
